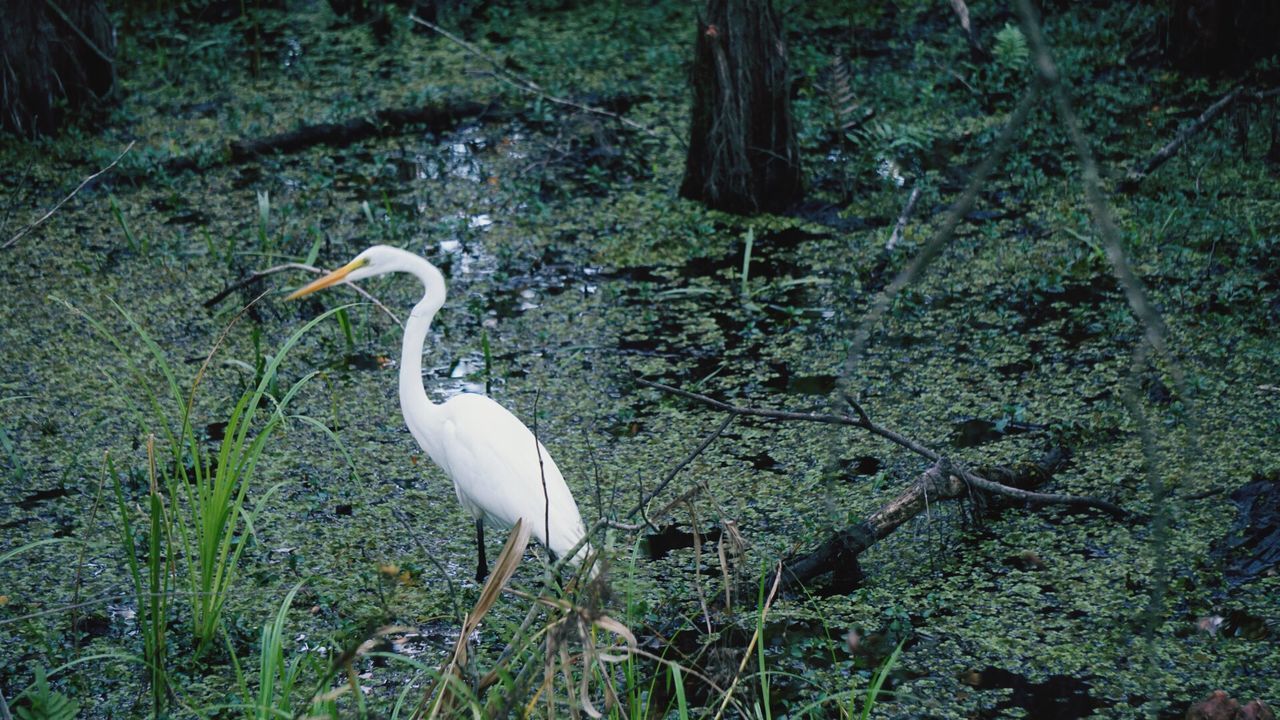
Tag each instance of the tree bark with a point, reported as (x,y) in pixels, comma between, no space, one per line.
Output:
(56,58)
(743,155)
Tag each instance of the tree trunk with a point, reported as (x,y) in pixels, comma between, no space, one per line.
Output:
(1222,36)
(743,156)
(55,58)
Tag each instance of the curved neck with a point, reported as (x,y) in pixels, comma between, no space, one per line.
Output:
(412,392)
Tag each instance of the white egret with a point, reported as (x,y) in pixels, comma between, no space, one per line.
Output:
(500,471)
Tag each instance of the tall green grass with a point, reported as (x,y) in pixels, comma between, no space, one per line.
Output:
(198,514)
(153,588)
(877,681)
(278,679)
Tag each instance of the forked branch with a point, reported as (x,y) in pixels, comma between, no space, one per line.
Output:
(863,421)
(838,554)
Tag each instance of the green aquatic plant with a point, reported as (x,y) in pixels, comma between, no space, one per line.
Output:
(137,244)
(45,703)
(207,490)
(1010,51)
(277,679)
(152,589)
(765,707)
(877,681)
(17,474)
(216,489)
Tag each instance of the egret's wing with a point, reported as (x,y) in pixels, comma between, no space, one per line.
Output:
(493,459)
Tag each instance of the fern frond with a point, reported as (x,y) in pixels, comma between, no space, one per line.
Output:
(848,112)
(1011,51)
(46,703)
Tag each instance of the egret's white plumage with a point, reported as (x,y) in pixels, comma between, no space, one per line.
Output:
(500,471)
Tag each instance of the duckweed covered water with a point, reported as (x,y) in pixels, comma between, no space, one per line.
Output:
(572,268)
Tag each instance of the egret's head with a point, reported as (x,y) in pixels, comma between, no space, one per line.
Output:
(377,260)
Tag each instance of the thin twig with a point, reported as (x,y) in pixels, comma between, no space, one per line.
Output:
(864,422)
(671,474)
(697,566)
(542,474)
(63,201)
(954,215)
(18,194)
(1149,318)
(448,579)
(595,470)
(75,593)
(530,86)
(204,366)
(680,499)
(257,275)
(830,419)
(755,637)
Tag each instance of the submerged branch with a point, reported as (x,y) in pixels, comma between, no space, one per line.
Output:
(529,86)
(1186,133)
(863,421)
(377,123)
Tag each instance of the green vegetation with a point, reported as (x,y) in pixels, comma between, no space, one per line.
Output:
(279,546)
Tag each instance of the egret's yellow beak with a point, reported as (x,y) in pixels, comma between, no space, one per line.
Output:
(332,278)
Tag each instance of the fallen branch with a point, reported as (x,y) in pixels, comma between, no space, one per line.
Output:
(864,422)
(529,86)
(257,275)
(838,554)
(379,123)
(1135,177)
(63,201)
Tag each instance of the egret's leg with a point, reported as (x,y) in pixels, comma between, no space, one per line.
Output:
(482,566)
(559,573)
